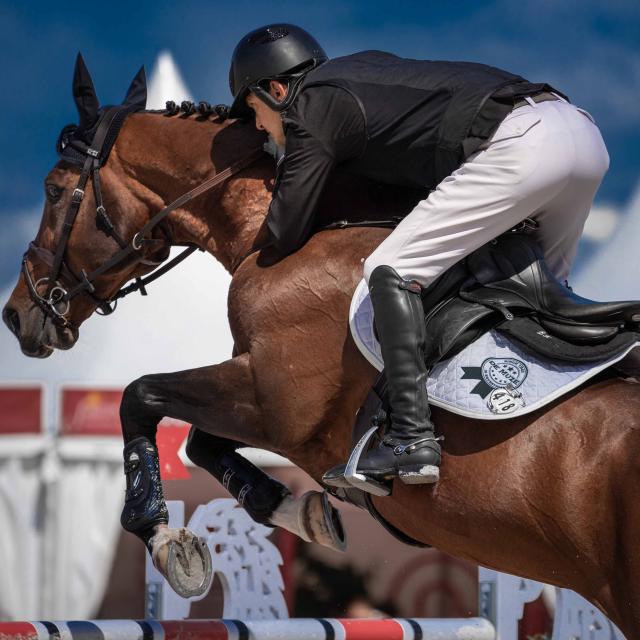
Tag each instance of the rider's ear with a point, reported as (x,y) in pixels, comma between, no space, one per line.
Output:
(278,90)
(84,95)
(137,91)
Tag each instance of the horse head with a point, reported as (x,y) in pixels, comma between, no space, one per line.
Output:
(104,189)
(75,234)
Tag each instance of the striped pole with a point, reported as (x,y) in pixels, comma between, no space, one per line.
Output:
(293,629)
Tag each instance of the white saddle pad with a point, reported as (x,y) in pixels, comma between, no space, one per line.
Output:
(492,378)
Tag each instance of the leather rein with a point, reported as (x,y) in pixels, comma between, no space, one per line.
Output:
(56,300)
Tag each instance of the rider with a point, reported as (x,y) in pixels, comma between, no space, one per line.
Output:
(493,149)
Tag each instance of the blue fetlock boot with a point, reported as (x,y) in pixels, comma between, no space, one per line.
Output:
(144,505)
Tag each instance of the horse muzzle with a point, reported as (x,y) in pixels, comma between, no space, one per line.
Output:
(37,334)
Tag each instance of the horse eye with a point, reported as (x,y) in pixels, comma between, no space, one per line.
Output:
(53,192)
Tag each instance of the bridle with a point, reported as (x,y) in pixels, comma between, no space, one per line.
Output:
(56,300)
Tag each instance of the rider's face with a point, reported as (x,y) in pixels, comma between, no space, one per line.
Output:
(267,119)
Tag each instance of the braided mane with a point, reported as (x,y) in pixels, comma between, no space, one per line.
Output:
(186,108)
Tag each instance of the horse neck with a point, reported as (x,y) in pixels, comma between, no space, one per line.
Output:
(165,157)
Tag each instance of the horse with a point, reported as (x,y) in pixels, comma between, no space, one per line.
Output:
(550,495)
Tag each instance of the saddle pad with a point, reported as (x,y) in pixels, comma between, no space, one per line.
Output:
(492,378)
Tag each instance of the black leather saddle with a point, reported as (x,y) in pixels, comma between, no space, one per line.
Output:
(507,285)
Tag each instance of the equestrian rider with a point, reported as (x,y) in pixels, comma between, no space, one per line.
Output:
(492,148)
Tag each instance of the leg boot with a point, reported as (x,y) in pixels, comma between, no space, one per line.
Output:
(144,505)
(409,449)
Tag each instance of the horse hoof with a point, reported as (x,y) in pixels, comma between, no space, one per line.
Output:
(321,521)
(184,560)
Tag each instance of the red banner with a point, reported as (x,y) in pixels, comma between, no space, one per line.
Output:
(96,412)
(90,412)
(20,410)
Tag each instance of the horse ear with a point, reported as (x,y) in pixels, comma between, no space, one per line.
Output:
(137,92)
(84,95)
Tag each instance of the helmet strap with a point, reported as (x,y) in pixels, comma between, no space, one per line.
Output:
(294,82)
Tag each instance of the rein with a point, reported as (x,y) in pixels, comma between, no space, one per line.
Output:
(56,300)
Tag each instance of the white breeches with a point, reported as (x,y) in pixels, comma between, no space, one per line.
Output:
(545,161)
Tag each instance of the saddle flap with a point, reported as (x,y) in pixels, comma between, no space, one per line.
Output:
(454,324)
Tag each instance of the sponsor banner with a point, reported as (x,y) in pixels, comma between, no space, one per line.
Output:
(20,410)
(96,412)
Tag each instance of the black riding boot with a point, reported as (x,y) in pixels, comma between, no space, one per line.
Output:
(409,449)
(144,505)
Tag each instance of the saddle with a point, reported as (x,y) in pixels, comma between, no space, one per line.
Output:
(504,286)
(507,286)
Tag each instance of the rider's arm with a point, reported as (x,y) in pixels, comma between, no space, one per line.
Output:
(324,128)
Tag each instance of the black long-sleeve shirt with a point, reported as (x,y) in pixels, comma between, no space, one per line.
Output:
(324,128)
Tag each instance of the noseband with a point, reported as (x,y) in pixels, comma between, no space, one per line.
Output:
(55,302)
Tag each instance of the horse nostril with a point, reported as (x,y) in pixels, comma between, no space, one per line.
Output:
(12,320)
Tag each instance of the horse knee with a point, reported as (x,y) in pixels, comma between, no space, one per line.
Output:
(137,414)
(135,395)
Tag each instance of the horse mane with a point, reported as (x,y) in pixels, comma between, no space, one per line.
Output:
(203,110)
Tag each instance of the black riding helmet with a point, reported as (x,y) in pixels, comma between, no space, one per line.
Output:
(276,51)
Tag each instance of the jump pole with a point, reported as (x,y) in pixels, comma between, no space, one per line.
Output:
(294,629)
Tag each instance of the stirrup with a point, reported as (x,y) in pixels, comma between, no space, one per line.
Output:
(359,480)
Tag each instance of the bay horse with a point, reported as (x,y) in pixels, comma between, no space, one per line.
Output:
(551,495)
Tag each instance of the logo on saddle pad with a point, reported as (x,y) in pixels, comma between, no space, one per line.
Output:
(498,378)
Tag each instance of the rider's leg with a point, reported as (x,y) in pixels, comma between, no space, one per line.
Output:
(538,158)
(531,161)
(409,449)
(563,218)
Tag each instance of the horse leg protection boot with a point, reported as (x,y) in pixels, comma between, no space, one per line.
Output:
(409,449)
(144,505)
(257,492)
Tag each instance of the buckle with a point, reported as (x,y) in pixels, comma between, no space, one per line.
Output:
(78,195)
(93,152)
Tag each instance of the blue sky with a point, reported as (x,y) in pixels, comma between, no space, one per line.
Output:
(589,50)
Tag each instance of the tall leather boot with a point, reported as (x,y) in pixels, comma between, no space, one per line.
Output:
(144,505)
(409,449)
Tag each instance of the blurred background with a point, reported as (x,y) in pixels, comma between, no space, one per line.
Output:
(62,552)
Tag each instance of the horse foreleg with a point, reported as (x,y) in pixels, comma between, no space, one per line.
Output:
(267,501)
(220,400)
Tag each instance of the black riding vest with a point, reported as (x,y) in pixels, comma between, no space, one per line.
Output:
(422,118)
